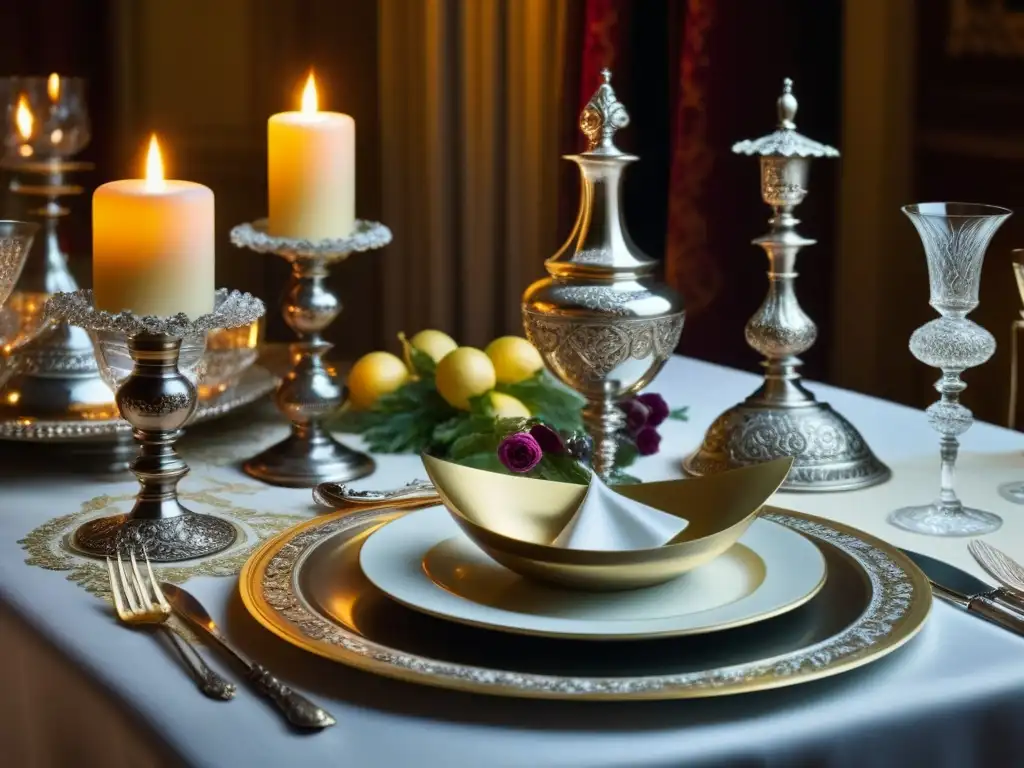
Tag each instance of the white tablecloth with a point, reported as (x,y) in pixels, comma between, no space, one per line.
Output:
(77,689)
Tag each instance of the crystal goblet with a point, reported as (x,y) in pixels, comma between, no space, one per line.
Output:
(955,237)
(47,118)
(1014,491)
(15,243)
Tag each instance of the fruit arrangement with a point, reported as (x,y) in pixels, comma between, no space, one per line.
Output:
(464,403)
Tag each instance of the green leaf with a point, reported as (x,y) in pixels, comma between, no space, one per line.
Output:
(562,469)
(422,363)
(488,461)
(626,454)
(680,414)
(467,445)
(622,478)
(549,401)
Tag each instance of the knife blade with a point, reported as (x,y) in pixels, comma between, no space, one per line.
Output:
(969,593)
(299,710)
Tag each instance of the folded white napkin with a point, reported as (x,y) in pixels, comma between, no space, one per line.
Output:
(607,520)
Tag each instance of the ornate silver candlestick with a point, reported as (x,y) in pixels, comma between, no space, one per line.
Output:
(311,391)
(51,372)
(153,363)
(782,418)
(603,322)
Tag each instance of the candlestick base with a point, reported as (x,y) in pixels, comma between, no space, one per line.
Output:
(307,458)
(184,536)
(311,391)
(828,452)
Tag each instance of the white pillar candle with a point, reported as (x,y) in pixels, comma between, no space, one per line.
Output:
(153,244)
(311,172)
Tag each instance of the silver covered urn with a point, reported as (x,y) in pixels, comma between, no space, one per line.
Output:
(783,418)
(603,321)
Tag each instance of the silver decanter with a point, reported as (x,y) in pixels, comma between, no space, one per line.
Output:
(603,321)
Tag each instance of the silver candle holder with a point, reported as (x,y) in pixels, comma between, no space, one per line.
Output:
(153,363)
(311,391)
(782,418)
(50,369)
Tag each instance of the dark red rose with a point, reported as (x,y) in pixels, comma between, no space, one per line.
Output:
(549,441)
(520,452)
(656,405)
(648,441)
(637,415)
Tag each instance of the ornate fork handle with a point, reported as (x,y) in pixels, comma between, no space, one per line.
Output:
(340,496)
(297,708)
(209,682)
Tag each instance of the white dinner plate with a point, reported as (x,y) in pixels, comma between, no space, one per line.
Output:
(422,560)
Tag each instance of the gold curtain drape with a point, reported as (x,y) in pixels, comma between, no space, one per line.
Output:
(471,102)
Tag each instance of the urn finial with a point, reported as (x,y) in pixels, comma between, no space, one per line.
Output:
(787,106)
(602,117)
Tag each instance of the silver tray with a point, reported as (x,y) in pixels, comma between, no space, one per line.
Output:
(305,586)
(255,383)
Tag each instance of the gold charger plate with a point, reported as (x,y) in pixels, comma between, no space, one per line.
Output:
(305,586)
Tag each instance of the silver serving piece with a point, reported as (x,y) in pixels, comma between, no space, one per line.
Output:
(145,356)
(603,321)
(300,711)
(782,418)
(50,370)
(311,391)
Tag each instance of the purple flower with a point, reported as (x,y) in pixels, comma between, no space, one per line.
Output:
(549,441)
(637,415)
(648,441)
(656,405)
(520,452)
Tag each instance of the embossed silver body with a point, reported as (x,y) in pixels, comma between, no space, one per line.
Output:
(782,418)
(49,373)
(603,321)
(311,391)
(157,399)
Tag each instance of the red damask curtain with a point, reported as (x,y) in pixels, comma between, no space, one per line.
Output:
(722,71)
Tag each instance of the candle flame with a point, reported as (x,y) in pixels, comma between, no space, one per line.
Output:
(23,117)
(309,100)
(53,87)
(154,165)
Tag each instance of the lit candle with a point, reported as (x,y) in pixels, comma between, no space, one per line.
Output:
(152,244)
(311,171)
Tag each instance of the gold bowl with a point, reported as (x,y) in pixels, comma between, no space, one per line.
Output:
(516,519)
(229,353)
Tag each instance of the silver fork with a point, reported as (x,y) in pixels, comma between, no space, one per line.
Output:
(137,605)
(1001,567)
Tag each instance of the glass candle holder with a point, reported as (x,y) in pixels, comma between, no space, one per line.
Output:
(46,119)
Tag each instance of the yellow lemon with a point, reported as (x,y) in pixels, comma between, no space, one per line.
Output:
(463,373)
(435,343)
(508,407)
(515,359)
(373,375)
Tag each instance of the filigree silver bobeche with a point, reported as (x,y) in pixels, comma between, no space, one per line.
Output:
(782,418)
(603,322)
(311,391)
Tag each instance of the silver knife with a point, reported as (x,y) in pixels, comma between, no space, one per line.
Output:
(299,710)
(971,594)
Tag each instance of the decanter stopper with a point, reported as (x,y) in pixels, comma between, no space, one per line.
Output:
(602,117)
